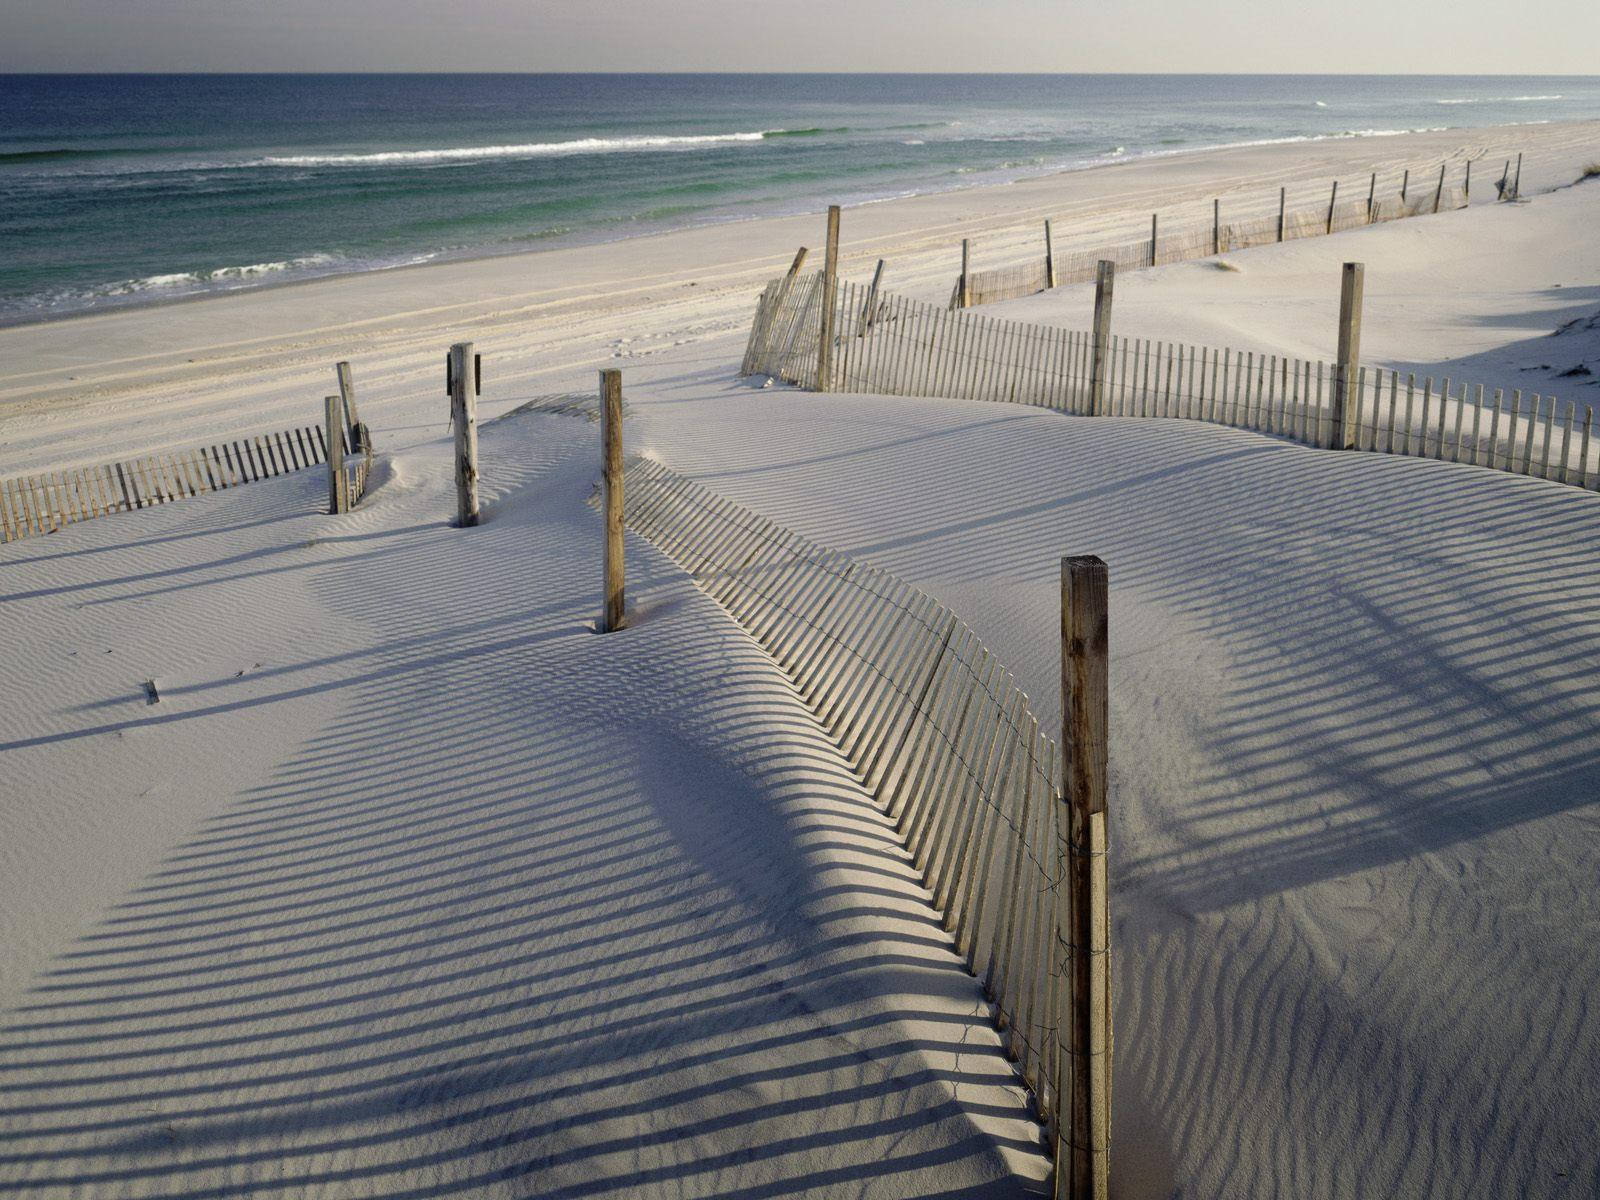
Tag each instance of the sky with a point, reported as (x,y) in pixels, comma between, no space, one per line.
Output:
(1266,36)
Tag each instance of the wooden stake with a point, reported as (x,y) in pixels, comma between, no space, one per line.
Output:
(870,308)
(1216,225)
(1466,189)
(1405,183)
(464,419)
(1049,257)
(1152,239)
(1282,197)
(830,298)
(1333,199)
(1372,195)
(1105,280)
(1350,296)
(1438,192)
(347,391)
(1083,924)
(615,613)
(338,493)
(964,289)
(1516,186)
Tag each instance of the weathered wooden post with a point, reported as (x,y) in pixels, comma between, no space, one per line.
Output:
(1516,186)
(347,391)
(1505,180)
(1283,194)
(615,612)
(1438,192)
(1372,196)
(1333,199)
(338,486)
(1152,239)
(1466,188)
(1083,909)
(1104,281)
(830,299)
(1405,183)
(462,380)
(1341,429)
(1049,257)
(1216,225)
(869,310)
(963,290)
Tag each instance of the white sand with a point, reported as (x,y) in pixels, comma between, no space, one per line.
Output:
(410,885)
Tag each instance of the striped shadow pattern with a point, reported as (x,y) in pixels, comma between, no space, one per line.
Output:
(934,725)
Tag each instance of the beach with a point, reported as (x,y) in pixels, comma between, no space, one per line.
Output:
(409,883)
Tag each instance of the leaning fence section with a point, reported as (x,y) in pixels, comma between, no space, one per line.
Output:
(936,726)
(45,503)
(888,344)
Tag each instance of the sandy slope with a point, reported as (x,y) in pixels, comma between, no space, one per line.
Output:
(411,885)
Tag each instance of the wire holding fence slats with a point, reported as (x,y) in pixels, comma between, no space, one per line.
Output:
(937,728)
(893,346)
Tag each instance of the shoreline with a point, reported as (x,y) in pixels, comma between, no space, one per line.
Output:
(440,258)
(119,383)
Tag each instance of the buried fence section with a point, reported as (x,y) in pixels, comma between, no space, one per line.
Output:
(46,502)
(941,735)
(890,345)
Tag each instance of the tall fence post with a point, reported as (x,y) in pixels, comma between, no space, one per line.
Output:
(1104,280)
(1505,180)
(1152,239)
(1466,188)
(1516,187)
(830,298)
(338,487)
(1083,909)
(611,479)
(1333,200)
(1341,429)
(1283,195)
(1405,184)
(462,382)
(963,291)
(1372,196)
(1438,192)
(347,392)
(1216,225)
(1049,257)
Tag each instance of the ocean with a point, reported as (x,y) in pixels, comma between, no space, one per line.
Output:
(122,189)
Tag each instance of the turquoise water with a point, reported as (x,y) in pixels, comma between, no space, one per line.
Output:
(123,189)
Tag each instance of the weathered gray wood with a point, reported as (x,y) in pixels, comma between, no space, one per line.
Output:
(830,298)
(1049,257)
(464,420)
(1349,354)
(1216,225)
(1438,192)
(1104,284)
(1283,194)
(1516,186)
(1466,187)
(1082,907)
(347,393)
(615,610)
(964,285)
(338,493)
(1333,200)
(1405,183)
(1372,195)
(1153,242)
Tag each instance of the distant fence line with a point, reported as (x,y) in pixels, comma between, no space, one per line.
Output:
(937,728)
(1204,240)
(902,347)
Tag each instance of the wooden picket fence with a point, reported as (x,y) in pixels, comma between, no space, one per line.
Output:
(1207,239)
(935,725)
(896,346)
(44,503)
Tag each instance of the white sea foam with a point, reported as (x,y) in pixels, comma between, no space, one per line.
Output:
(517,150)
(1500,100)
